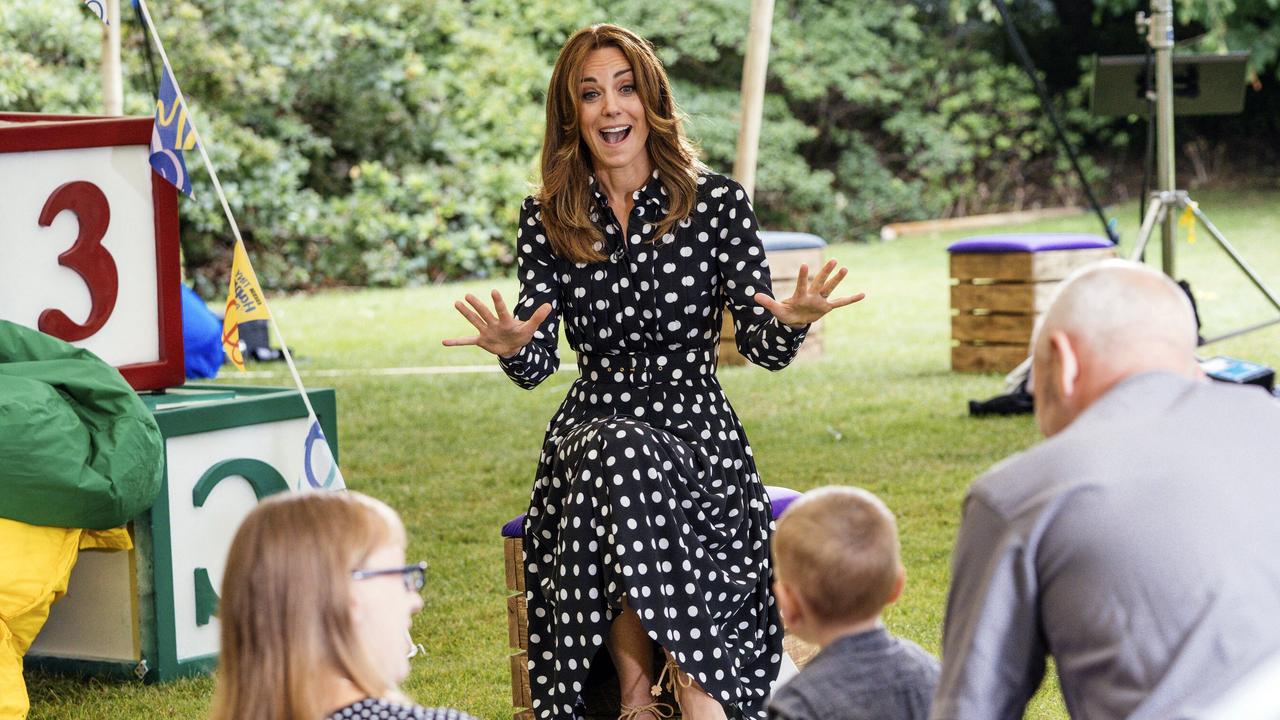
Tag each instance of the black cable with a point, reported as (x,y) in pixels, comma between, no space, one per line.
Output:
(146,48)
(1027,65)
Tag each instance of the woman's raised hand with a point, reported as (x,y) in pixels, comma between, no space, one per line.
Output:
(500,333)
(811,299)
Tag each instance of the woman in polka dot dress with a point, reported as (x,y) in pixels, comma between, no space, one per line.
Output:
(648,523)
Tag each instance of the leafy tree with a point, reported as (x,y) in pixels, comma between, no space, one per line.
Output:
(389,142)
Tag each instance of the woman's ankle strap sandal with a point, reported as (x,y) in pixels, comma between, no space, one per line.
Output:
(657,709)
(675,677)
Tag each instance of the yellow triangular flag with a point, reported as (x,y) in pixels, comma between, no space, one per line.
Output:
(1188,220)
(245,302)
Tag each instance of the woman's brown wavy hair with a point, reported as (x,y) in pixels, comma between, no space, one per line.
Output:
(565,195)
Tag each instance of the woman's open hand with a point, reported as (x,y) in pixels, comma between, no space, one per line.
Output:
(811,299)
(500,332)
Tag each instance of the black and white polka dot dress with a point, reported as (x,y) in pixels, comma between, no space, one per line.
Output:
(646,488)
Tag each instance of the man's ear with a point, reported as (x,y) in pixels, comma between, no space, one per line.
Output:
(1064,365)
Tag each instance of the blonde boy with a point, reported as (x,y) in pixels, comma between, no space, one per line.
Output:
(836,566)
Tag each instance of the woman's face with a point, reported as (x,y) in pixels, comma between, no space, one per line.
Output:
(610,113)
(382,612)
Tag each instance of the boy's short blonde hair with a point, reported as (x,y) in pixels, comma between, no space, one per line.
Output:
(837,548)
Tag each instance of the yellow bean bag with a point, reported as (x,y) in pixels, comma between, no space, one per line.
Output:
(35,564)
(80,450)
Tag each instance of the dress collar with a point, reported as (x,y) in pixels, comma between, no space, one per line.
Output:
(651,193)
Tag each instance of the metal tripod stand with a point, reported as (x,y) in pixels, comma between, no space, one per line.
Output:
(1167,200)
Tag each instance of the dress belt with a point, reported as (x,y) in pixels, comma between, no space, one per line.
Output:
(645,368)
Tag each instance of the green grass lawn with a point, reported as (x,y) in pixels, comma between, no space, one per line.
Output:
(455,453)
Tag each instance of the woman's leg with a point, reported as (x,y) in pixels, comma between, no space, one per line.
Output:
(695,703)
(632,653)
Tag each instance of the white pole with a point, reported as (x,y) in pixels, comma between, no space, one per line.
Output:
(222,196)
(754,66)
(112,74)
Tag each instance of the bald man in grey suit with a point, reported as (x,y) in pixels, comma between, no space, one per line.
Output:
(1139,545)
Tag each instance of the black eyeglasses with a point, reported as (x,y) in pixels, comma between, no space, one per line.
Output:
(414,576)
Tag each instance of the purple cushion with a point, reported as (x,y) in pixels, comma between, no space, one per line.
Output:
(1028,242)
(779,498)
(514,527)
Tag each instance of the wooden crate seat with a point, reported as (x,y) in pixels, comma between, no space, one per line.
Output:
(1000,284)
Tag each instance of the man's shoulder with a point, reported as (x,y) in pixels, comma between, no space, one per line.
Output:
(1099,447)
(1246,404)
(1022,478)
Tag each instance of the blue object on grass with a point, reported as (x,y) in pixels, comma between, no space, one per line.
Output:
(201,336)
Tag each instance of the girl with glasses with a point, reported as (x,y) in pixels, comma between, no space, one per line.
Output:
(317,601)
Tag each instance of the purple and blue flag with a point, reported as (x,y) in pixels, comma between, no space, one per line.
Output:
(171,136)
(319,468)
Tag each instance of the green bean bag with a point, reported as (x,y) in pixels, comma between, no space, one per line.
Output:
(78,448)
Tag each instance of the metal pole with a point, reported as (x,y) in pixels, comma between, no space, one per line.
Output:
(1156,210)
(1241,331)
(112,76)
(754,66)
(1160,37)
(1235,256)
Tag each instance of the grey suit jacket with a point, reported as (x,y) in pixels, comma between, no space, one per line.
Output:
(1140,547)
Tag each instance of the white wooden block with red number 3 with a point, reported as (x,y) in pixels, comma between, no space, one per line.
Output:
(89,241)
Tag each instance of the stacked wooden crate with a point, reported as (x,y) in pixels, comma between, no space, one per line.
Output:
(517,628)
(786,252)
(1000,284)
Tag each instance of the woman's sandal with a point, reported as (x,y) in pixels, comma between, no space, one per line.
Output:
(657,709)
(676,679)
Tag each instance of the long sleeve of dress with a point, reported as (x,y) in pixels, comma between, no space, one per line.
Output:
(536,268)
(758,334)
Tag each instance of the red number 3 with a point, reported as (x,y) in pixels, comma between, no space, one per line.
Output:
(86,257)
